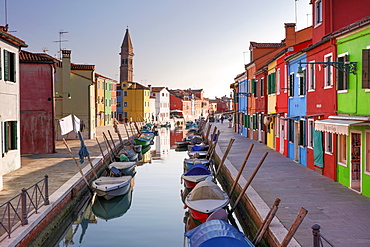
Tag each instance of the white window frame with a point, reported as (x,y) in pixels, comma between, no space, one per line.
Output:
(311,82)
(345,149)
(277,126)
(367,90)
(328,72)
(318,16)
(328,143)
(311,123)
(125,104)
(367,152)
(345,74)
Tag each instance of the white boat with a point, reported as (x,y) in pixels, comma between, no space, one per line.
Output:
(110,187)
(126,168)
(197,154)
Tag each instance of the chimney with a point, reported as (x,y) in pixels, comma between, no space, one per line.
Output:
(66,81)
(290,34)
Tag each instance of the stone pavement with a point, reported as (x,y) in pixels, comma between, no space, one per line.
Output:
(344,215)
(59,166)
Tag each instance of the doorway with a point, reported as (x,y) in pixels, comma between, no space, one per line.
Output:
(356,161)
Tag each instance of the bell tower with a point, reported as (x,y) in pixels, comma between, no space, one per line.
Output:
(127,54)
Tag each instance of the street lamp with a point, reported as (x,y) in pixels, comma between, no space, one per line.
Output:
(346,67)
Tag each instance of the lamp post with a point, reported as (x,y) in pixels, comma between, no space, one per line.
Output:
(346,67)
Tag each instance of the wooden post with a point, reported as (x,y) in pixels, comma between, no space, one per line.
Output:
(132,132)
(102,153)
(213,146)
(224,157)
(109,148)
(137,128)
(241,169)
(92,167)
(128,136)
(114,145)
(297,222)
(249,182)
(82,174)
(207,132)
(266,222)
(213,134)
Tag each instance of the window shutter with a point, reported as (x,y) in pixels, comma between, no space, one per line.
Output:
(273,83)
(14,134)
(252,82)
(340,75)
(247,123)
(6,65)
(269,84)
(1,72)
(365,68)
(6,140)
(12,65)
(345,75)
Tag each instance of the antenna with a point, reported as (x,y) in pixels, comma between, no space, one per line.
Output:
(6,13)
(60,42)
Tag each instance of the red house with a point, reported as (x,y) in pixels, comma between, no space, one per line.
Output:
(37,123)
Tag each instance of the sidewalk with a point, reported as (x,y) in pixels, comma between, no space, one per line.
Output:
(59,166)
(344,215)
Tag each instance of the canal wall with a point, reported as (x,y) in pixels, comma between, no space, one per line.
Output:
(251,210)
(65,201)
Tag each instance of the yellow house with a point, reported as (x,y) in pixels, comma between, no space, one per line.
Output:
(271,103)
(99,90)
(137,101)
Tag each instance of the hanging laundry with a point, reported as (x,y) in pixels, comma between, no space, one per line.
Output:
(66,125)
(76,124)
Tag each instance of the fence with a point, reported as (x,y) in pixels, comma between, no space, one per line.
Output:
(317,237)
(15,212)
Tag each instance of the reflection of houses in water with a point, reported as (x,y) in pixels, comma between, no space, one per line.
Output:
(176,135)
(161,145)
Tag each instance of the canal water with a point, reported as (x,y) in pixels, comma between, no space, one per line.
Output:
(152,214)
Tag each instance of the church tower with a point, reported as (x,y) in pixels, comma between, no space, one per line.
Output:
(127,54)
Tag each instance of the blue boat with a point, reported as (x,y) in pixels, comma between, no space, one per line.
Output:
(216,233)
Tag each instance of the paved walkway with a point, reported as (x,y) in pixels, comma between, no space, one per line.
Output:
(344,215)
(58,166)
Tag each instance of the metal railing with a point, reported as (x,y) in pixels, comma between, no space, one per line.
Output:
(15,212)
(318,237)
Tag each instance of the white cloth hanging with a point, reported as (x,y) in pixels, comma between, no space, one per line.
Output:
(66,125)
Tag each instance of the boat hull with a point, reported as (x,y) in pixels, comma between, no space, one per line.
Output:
(110,187)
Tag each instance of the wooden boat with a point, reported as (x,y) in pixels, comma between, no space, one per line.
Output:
(195,174)
(181,144)
(198,147)
(126,168)
(216,233)
(110,187)
(204,199)
(144,138)
(113,208)
(198,154)
(188,163)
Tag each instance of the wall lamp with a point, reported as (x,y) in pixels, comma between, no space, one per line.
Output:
(346,67)
(61,96)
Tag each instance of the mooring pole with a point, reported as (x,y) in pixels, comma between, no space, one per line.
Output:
(224,157)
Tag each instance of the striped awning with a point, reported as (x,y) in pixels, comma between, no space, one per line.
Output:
(335,126)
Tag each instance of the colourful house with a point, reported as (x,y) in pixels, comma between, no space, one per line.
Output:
(137,102)
(37,135)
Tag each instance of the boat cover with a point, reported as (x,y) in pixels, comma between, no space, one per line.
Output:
(217,233)
(197,169)
(206,190)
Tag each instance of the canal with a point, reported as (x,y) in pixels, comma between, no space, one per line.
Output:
(152,214)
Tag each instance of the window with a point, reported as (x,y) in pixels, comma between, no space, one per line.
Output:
(342,77)
(318,12)
(271,81)
(1,72)
(310,131)
(118,93)
(367,154)
(311,76)
(118,103)
(328,72)
(328,142)
(342,149)
(301,131)
(365,68)
(291,85)
(254,87)
(124,104)
(278,81)
(124,85)
(302,83)
(290,130)
(10,136)
(262,87)
(125,93)
(254,121)
(9,66)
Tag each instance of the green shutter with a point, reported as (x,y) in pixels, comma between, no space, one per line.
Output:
(6,65)
(365,68)
(6,134)
(273,83)
(253,87)
(14,134)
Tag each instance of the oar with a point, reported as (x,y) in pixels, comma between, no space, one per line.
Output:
(241,169)
(79,168)
(248,183)
(224,157)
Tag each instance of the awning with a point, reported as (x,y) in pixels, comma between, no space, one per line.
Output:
(335,126)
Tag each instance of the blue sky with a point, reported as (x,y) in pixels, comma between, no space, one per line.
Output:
(177,43)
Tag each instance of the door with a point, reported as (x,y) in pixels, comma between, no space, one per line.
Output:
(282,135)
(356,161)
(296,139)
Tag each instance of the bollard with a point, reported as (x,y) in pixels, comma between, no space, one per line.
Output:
(316,235)
(24,220)
(46,201)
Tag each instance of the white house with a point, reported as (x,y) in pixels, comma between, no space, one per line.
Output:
(162,103)
(9,102)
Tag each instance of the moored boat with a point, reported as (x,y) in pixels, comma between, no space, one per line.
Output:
(204,199)
(188,163)
(126,168)
(194,175)
(198,154)
(110,187)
